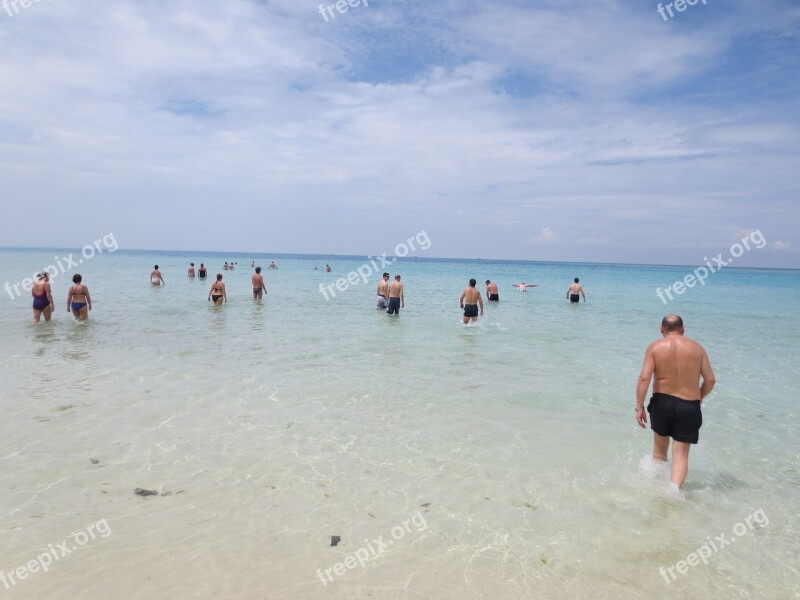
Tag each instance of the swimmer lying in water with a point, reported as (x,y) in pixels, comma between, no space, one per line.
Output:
(522,286)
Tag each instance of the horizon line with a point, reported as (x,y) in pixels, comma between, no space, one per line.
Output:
(520,260)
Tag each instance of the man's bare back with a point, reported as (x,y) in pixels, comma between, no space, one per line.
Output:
(676,365)
(382,287)
(469,301)
(471,295)
(395,289)
(397,298)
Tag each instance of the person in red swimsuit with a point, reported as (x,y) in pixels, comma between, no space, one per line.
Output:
(42,298)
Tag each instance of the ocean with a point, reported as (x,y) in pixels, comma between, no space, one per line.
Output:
(495,461)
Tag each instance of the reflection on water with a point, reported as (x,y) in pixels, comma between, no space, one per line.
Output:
(79,339)
(44,334)
(257,312)
(219,316)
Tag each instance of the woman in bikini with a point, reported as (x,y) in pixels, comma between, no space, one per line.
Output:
(42,298)
(217,291)
(79,302)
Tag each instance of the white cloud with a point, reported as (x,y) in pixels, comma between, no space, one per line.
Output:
(170,108)
(545,235)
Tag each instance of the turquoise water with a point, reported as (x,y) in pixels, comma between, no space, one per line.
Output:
(271,426)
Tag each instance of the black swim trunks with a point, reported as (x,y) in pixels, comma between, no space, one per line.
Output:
(574,298)
(494,298)
(470,310)
(675,417)
(394,306)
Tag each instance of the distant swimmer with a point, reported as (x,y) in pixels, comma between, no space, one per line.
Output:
(272,265)
(42,298)
(383,291)
(397,298)
(201,272)
(252,263)
(79,302)
(491,292)
(217,292)
(676,364)
(231,266)
(259,289)
(225,267)
(191,270)
(524,286)
(575,292)
(156,278)
(328,268)
(469,301)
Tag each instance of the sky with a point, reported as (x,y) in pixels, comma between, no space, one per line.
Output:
(560,130)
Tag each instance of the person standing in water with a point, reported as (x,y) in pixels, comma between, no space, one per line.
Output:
(675,364)
(201,272)
(156,278)
(217,292)
(397,298)
(469,301)
(79,302)
(383,291)
(259,289)
(273,266)
(42,298)
(191,270)
(575,292)
(492,294)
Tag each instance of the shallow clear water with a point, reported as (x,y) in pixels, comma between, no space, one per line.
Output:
(271,426)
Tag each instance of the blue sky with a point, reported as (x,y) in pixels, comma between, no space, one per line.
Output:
(540,130)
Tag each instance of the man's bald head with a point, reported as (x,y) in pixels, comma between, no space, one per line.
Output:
(672,323)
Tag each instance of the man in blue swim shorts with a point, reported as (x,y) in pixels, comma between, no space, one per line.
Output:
(676,364)
(397,298)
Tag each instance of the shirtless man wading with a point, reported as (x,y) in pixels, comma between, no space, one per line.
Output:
(383,291)
(492,295)
(676,365)
(259,289)
(397,298)
(469,301)
(575,292)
